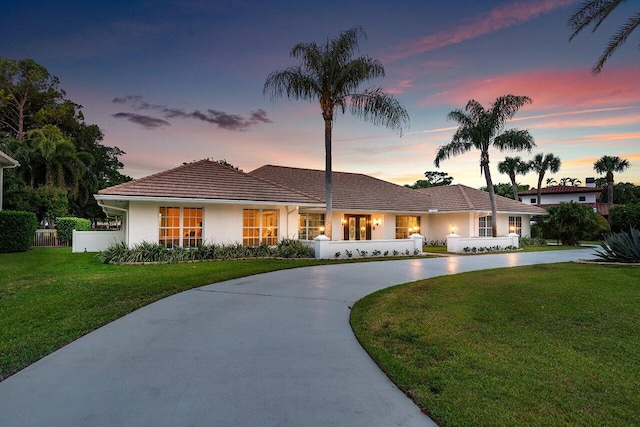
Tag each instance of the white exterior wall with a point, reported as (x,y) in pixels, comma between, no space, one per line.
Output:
(222,223)
(556,199)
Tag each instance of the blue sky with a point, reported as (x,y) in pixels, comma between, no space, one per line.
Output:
(175,81)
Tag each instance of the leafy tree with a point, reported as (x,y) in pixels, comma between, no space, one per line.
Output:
(513,166)
(25,88)
(330,75)
(609,165)
(625,217)
(506,189)
(482,129)
(434,179)
(541,164)
(594,12)
(47,134)
(571,222)
(623,193)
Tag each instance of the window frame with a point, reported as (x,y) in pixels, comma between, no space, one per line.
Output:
(485,226)
(516,223)
(258,228)
(405,224)
(308,227)
(180,230)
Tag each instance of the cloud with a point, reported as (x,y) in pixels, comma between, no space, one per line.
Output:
(147,122)
(500,17)
(221,119)
(549,89)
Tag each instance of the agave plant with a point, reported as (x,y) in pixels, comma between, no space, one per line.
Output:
(621,247)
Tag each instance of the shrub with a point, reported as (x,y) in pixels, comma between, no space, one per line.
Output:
(625,217)
(290,248)
(571,222)
(532,241)
(18,230)
(66,225)
(621,247)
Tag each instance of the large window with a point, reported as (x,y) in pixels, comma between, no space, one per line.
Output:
(259,226)
(406,226)
(180,226)
(484,226)
(309,225)
(515,225)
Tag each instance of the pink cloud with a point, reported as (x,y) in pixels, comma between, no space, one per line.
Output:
(400,87)
(486,23)
(547,88)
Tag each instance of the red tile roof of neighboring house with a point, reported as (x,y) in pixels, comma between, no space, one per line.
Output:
(601,208)
(350,190)
(206,179)
(561,189)
(456,198)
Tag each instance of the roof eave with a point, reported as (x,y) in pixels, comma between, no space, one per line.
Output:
(114,197)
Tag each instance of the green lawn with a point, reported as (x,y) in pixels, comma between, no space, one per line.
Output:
(50,297)
(541,345)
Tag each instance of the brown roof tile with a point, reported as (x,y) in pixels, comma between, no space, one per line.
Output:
(453,198)
(206,179)
(350,190)
(561,189)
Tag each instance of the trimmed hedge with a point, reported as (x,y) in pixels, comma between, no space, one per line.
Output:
(17,230)
(625,217)
(66,225)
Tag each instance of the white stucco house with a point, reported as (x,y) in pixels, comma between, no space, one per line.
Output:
(6,162)
(556,194)
(207,202)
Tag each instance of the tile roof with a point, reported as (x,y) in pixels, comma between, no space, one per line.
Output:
(350,190)
(456,198)
(601,208)
(561,189)
(207,179)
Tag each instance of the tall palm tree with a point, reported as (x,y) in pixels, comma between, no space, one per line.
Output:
(595,12)
(513,166)
(330,75)
(609,165)
(481,129)
(542,164)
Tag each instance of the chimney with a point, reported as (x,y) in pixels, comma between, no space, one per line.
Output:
(590,182)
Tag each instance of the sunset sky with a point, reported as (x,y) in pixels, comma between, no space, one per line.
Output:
(174,81)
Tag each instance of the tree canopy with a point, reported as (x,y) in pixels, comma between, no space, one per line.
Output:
(433,179)
(62,160)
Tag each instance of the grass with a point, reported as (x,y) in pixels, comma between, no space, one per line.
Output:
(541,345)
(50,297)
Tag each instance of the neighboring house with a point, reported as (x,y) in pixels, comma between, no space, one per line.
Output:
(207,202)
(556,194)
(6,162)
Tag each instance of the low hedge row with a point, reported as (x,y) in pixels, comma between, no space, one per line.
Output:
(66,225)
(17,230)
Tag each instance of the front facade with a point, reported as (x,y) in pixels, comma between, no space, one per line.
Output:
(205,202)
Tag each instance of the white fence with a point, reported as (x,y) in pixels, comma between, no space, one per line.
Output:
(456,243)
(95,241)
(340,249)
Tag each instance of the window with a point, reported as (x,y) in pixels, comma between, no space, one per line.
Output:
(406,226)
(259,226)
(515,225)
(180,227)
(582,198)
(309,225)
(533,200)
(484,226)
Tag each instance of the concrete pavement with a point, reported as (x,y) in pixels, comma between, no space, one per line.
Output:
(266,350)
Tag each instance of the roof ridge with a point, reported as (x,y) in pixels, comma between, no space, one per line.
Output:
(282,186)
(465,196)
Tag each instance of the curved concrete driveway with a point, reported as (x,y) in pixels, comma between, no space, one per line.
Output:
(267,350)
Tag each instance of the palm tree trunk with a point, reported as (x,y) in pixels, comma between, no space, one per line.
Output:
(492,197)
(514,185)
(540,178)
(328,123)
(610,189)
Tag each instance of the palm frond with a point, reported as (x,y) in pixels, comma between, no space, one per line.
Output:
(616,41)
(291,83)
(516,140)
(452,149)
(380,108)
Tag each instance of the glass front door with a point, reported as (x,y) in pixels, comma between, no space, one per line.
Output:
(357,227)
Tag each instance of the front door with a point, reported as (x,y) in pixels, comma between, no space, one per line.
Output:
(357,227)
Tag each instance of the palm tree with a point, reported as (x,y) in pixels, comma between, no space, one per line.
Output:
(481,129)
(595,12)
(330,75)
(551,181)
(609,165)
(512,166)
(541,164)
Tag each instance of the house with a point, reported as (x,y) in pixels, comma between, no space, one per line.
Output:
(6,162)
(204,201)
(556,194)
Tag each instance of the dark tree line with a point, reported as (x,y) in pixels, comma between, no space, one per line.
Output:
(62,159)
